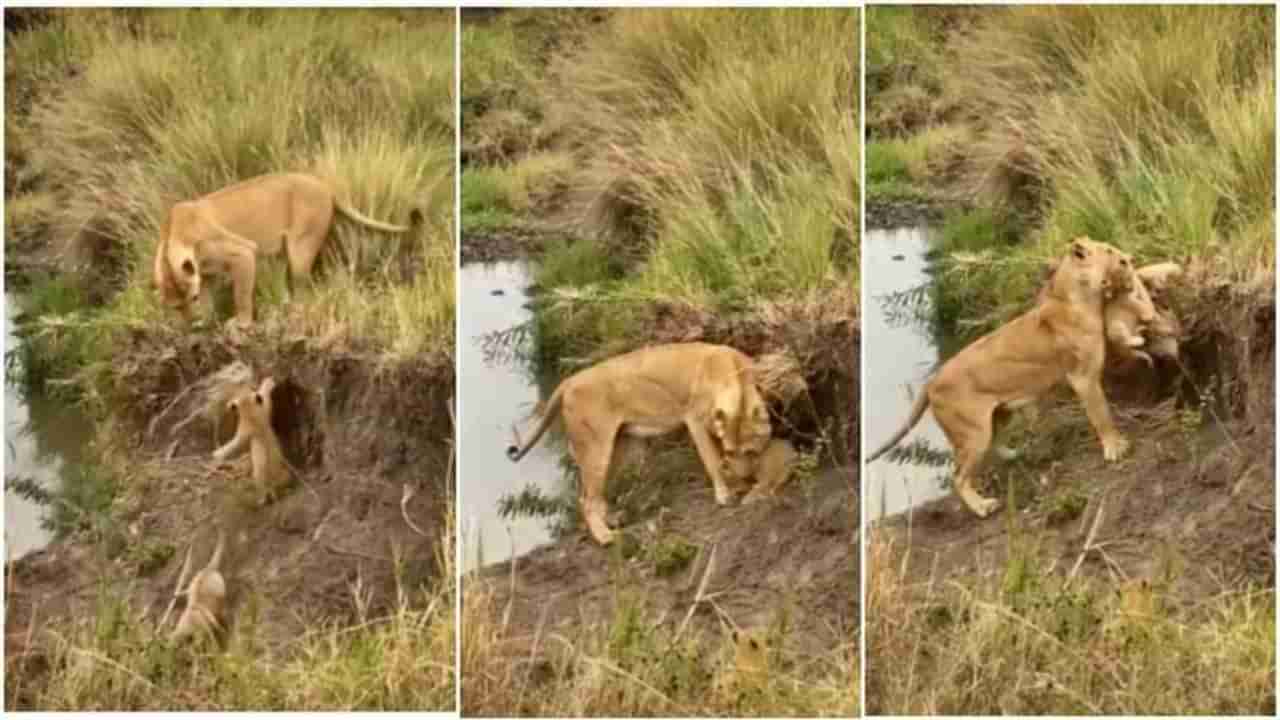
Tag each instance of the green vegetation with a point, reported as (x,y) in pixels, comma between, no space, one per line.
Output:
(698,173)
(123,113)
(1149,128)
(1025,641)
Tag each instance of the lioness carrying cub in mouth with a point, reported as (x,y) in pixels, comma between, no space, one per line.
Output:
(1062,337)
(708,389)
(226,230)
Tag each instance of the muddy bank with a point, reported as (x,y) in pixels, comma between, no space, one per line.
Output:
(517,242)
(884,214)
(360,430)
(797,554)
(1193,503)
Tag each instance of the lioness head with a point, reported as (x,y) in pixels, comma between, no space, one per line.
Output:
(1091,272)
(743,438)
(176,274)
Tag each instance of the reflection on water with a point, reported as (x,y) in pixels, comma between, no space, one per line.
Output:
(43,439)
(495,396)
(900,355)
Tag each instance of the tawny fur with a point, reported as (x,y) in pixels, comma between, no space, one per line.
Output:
(253,429)
(772,470)
(709,389)
(206,600)
(1061,338)
(226,231)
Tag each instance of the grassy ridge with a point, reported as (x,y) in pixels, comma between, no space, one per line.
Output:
(129,112)
(1149,128)
(698,172)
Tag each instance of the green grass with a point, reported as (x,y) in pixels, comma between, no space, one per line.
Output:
(1022,641)
(716,180)
(1149,128)
(167,105)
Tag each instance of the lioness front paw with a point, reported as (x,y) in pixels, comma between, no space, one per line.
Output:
(1114,447)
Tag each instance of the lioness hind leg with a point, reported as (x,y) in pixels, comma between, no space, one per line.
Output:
(970,438)
(592,449)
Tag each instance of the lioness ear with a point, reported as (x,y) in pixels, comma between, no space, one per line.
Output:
(1079,250)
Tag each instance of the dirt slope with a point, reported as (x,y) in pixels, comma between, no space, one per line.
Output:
(359,432)
(799,551)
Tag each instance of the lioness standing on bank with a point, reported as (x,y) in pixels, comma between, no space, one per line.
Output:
(708,389)
(1062,337)
(226,230)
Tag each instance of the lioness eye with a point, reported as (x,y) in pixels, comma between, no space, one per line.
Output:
(188,267)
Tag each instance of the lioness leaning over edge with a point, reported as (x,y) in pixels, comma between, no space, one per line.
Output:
(1062,337)
(226,230)
(709,389)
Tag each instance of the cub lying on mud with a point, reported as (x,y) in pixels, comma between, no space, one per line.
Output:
(1062,337)
(709,389)
(226,230)
(271,470)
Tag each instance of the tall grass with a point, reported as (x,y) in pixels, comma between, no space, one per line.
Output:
(1152,128)
(136,110)
(1019,641)
(703,167)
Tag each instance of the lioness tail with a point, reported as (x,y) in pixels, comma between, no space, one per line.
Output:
(917,412)
(549,412)
(355,215)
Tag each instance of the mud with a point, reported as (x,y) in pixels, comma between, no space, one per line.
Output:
(797,553)
(1192,501)
(883,214)
(522,242)
(359,431)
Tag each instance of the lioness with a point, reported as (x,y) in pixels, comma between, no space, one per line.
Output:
(226,230)
(709,389)
(1063,336)
(253,428)
(206,599)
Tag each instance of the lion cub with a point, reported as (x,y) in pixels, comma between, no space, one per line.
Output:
(206,599)
(750,666)
(253,428)
(771,472)
(1133,320)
